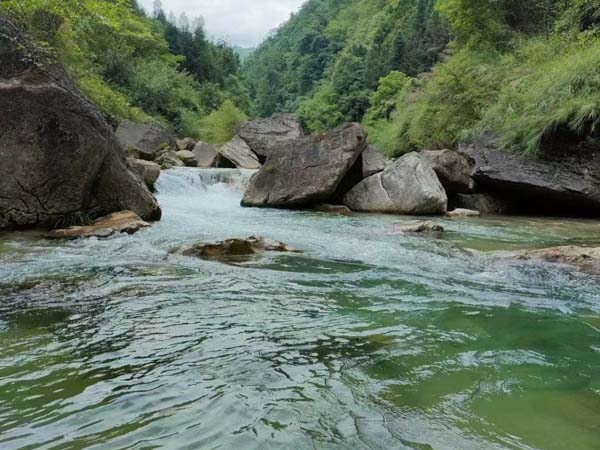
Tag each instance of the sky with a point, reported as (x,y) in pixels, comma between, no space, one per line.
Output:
(241,22)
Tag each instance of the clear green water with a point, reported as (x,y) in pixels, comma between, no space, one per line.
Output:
(368,340)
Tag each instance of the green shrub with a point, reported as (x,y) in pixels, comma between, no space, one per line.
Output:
(219,126)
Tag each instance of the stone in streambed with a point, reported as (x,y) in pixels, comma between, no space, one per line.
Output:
(423,226)
(146,140)
(583,258)
(188,158)
(453,169)
(239,154)
(461,212)
(408,186)
(120,222)
(339,210)
(264,136)
(206,154)
(147,170)
(308,170)
(232,248)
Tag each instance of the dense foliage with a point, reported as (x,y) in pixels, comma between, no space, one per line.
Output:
(524,73)
(134,66)
(326,61)
(429,73)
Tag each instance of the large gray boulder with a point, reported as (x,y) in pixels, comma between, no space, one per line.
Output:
(239,154)
(453,169)
(373,161)
(408,186)
(265,135)
(307,170)
(566,184)
(187,157)
(146,140)
(59,158)
(206,154)
(149,171)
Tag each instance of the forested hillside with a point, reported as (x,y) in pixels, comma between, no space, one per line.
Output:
(137,65)
(426,74)
(327,60)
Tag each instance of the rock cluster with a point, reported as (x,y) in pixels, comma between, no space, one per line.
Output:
(235,248)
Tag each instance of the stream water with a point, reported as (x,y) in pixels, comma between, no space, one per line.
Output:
(368,340)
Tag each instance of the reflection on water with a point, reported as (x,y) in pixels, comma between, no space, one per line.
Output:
(368,340)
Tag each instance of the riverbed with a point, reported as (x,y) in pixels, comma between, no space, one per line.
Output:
(367,340)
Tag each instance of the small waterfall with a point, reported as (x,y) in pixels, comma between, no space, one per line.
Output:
(186,181)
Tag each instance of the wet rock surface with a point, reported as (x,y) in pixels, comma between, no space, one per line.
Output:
(586,259)
(119,222)
(234,248)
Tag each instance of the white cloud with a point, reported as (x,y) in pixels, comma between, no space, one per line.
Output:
(241,22)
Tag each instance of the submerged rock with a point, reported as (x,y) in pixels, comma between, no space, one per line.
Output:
(461,212)
(584,258)
(232,248)
(144,139)
(120,222)
(340,210)
(424,226)
(408,186)
(240,155)
(309,171)
(562,185)
(58,155)
(147,170)
(263,136)
(453,169)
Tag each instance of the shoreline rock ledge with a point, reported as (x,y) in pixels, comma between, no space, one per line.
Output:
(59,158)
(307,170)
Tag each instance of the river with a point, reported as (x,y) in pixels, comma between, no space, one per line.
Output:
(367,340)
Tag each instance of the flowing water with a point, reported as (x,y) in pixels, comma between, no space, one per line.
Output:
(368,340)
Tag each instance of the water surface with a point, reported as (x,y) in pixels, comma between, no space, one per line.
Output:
(368,340)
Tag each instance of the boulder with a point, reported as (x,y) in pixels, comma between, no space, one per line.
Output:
(584,258)
(373,161)
(564,185)
(461,212)
(263,136)
(207,155)
(145,140)
(58,155)
(407,186)
(188,158)
(453,169)
(232,248)
(169,159)
(239,154)
(423,226)
(119,222)
(484,203)
(309,170)
(147,170)
(186,144)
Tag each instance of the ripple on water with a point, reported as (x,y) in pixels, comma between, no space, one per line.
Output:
(367,340)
